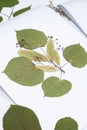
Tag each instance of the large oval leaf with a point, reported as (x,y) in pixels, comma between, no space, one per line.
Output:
(54,87)
(32,55)
(52,53)
(76,55)
(31,38)
(20,118)
(23,71)
(66,123)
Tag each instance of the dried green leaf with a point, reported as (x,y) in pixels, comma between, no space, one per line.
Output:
(46,68)
(23,71)
(32,55)
(66,123)
(76,55)
(31,38)
(8,3)
(54,87)
(52,53)
(21,11)
(1,19)
(20,118)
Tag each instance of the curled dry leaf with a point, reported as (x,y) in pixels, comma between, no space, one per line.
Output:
(52,53)
(32,55)
(46,68)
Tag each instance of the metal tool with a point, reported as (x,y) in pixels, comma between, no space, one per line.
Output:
(64,12)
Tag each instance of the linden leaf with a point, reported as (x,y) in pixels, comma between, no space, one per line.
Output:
(8,3)
(66,123)
(1,19)
(46,68)
(52,53)
(32,55)
(31,38)
(23,71)
(54,87)
(21,11)
(76,55)
(20,118)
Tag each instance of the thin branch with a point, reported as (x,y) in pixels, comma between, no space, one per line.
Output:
(44,53)
(12,9)
(4,14)
(58,67)
(64,64)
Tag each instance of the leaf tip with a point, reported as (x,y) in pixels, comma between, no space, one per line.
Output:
(45,95)
(3,71)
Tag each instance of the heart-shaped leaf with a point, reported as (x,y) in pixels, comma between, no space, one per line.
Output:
(52,53)
(21,11)
(66,123)
(23,71)
(31,38)
(46,68)
(76,55)
(8,3)
(20,118)
(54,87)
(32,55)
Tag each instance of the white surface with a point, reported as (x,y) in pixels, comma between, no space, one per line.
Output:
(48,110)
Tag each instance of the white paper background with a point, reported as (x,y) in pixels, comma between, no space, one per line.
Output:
(48,110)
